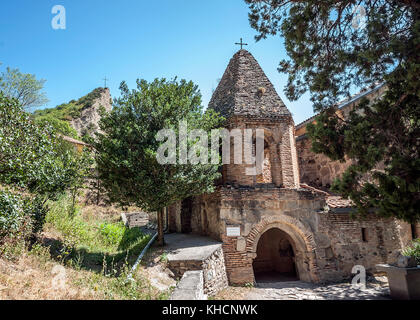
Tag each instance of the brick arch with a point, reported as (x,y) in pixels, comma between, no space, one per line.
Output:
(269,137)
(303,243)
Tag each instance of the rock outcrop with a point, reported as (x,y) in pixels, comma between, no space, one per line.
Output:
(88,121)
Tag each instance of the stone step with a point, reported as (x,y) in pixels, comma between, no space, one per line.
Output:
(186,253)
(191,287)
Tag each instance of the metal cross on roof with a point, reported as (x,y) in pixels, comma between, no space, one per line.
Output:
(241,44)
(105,79)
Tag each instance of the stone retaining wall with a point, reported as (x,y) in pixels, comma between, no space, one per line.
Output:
(135,219)
(213,267)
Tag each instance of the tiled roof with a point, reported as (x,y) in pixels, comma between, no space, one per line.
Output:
(333,201)
(74,141)
(336,202)
(313,189)
(345,103)
(245,90)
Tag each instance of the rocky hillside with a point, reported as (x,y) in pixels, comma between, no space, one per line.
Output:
(78,118)
(87,122)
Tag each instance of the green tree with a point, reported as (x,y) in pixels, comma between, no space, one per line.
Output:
(29,153)
(335,47)
(78,170)
(24,87)
(34,160)
(128,148)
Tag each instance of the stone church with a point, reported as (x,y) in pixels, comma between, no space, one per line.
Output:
(278,222)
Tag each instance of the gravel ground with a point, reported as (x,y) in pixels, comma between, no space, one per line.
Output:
(376,289)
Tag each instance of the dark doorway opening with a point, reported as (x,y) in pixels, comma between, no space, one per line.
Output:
(275,261)
(186,213)
(265,177)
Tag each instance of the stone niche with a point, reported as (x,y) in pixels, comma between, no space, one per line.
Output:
(280,166)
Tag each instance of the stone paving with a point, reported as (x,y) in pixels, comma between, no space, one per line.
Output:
(298,290)
(186,247)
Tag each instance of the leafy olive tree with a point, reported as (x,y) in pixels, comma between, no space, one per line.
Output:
(128,148)
(335,47)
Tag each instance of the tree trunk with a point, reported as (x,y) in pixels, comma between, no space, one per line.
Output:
(160,218)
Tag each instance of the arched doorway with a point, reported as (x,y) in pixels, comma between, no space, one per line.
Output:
(275,260)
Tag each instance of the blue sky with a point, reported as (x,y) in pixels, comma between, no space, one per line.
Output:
(130,39)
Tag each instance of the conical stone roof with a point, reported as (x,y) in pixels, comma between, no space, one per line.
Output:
(245,90)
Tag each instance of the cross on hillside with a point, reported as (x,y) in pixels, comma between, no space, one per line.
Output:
(105,79)
(241,44)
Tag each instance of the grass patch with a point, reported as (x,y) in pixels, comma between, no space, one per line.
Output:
(96,252)
(104,248)
(72,109)
(112,239)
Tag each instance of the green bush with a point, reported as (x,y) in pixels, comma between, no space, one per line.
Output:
(36,210)
(112,233)
(71,110)
(133,237)
(35,160)
(117,234)
(31,155)
(11,213)
(413,250)
(20,215)
(60,126)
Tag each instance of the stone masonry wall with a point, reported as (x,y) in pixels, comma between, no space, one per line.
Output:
(135,219)
(317,170)
(279,140)
(213,267)
(344,242)
(326,245)
(417,230)
(250,209)
(174,219)
(205,216)
(215,278)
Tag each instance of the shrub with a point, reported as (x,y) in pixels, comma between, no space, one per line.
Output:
(413,250)
(11,213)
(133,237)
(112,233)
(60,126)
(35,160)
(36,210)
(117,234)
(31,156)
(20,215)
